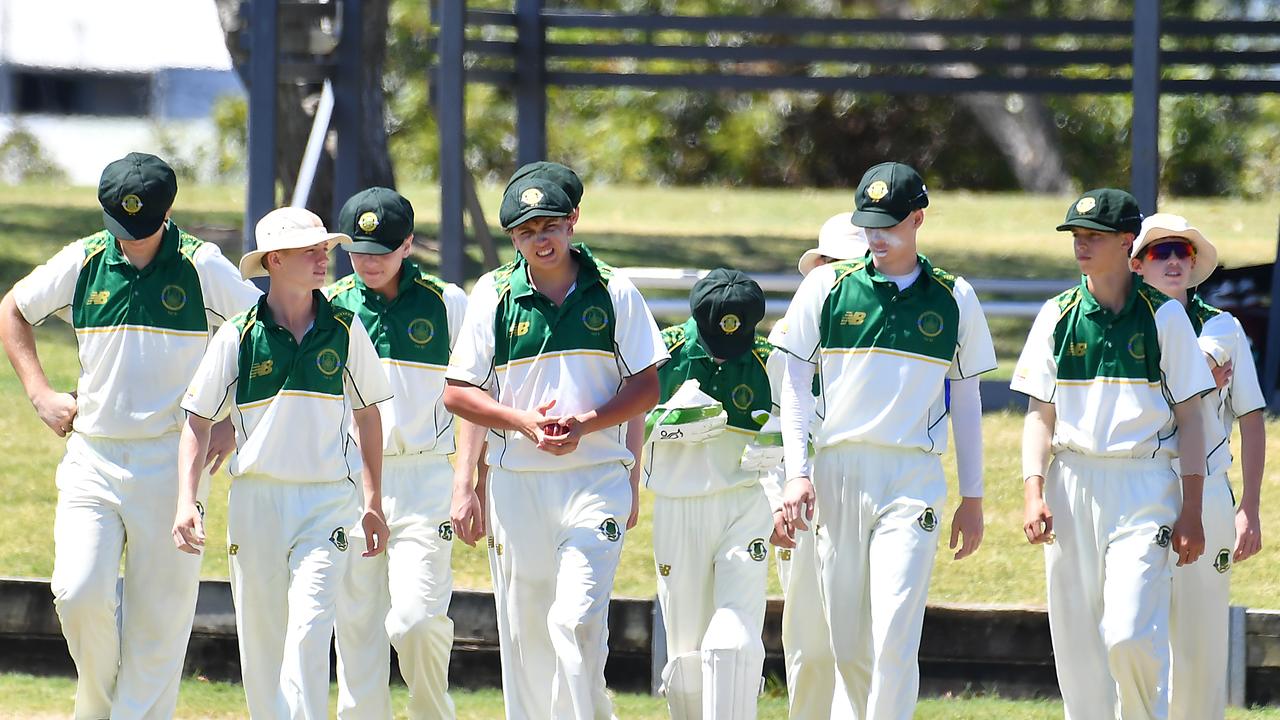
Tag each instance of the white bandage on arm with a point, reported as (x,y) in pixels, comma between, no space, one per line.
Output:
(966,424)
(797,412)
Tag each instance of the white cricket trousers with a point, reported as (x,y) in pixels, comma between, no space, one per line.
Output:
(1199,615)
(712,557)
(400,597)
(557,539)
(814,689)
(289,548)
(119,496)
(879,514)
(1108,580)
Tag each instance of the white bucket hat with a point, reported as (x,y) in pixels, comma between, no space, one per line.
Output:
(839,238)
(1162,226)
(286,228)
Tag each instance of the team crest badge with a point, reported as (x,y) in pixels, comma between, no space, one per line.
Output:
(595,318)
(1137,347)
(928,520)
(742,396)
(930,324)
(173,298)
(339,539)
(132,204)
(757,550)
(877,190)
(446,531)
(1164,535)
(532,196)
(1222,562)
(729,324)
(664,569)
(328,362)
(1085,204)
(611,530)
(368,222)
(421,331)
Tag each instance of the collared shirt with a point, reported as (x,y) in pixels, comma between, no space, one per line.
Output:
(884,354)
(413,334)
(527,351)
(139,333)
(744,385)
(1113,377)
(1222,338)
(291,402)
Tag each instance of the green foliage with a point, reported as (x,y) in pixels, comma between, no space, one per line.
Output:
(23,159)
(231,144)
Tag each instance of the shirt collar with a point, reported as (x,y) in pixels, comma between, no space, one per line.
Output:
(324,312)
(926,269)
(408,272)
(588,272)
(695,350)
(1091,306)
(167,251)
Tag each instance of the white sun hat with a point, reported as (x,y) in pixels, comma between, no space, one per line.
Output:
(1162,226)
(839,238)
(286,228)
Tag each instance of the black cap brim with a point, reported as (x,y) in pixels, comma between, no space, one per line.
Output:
(365,246)
(874,219)
(532,213)
(1087,225)
(137,228)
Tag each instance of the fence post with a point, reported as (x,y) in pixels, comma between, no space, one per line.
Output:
(451,114)
(261,196)
(1145,132)
(531,87)
(1237,655)
(348,113)
(658,653)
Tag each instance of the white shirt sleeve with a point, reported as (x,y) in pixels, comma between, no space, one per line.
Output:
(225,292)
(455,308)
(966,424)
(636,337)
(471,361)
(799,331)
(1036,373)
(1244,393)
(50,288)
(212,391)
(1183,371)
(975,353)
(797,412)
(364,380)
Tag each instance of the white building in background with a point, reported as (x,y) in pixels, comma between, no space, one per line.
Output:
(95,79)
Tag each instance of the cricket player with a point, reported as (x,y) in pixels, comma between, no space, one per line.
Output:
(711,519)
(295,373)
(885,333)
(812,690)
(1114,377)
(569,350)
(401,597)
(1172,256)
(143,297)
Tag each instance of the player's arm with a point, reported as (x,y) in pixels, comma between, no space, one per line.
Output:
(1188,530)
(55,409)
(1037,445)
(476,405)
(193,446)
(635,443)
(797,408)
(367,425)
(1253,451)
(967,524)
(466,509)
(638,395)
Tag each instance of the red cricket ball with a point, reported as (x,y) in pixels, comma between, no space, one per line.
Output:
(555,430)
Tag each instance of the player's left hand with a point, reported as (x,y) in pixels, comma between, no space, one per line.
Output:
(1188,538)
(782,536)
(798,501)
(967,522)
(1248,534)
(1221,373)
(572,429)
(188,529)
(376,533)
(222,442)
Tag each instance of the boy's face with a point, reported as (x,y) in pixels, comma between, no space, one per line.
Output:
(379,271)
(1101,252)
(543,241)
(1166,264)
(897,244)
(301,267)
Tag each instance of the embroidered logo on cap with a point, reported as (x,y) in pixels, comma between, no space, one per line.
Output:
(132,204)
(877,190)
(532,196)
(1085,204)
(368,222)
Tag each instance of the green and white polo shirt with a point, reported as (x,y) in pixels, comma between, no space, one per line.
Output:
(1113,377)
(413,335)
(140,333)
(291,402)
(526,351)
(746,384)
(1222,338)
(884,354)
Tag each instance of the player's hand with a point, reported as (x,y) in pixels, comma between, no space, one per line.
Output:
(782,536)
(57,410)
(798,501)
(1037,520)
(561,435)
(222,442)
(375,533)
(1248,534)
(188,529)
(466,512)
(1221,373)
(532,422)
(1188,538)
(967,523)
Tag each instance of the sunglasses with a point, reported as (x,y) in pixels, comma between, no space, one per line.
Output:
(1162,251)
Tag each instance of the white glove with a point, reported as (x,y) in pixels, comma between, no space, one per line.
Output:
(764,452)
(689,416)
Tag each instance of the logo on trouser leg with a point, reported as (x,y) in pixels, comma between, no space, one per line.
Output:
(928,520)
(784,555)
(757,550)
(1222,562)
(664,569)
(611,530)
(232,549)
(1164,535)
(339,539)
(446,531)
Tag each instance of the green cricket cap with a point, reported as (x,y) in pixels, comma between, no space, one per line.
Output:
(1105,209)
(532,197)
(377,219)
(727,306)
(888,193)
(135,192)
(561,175)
